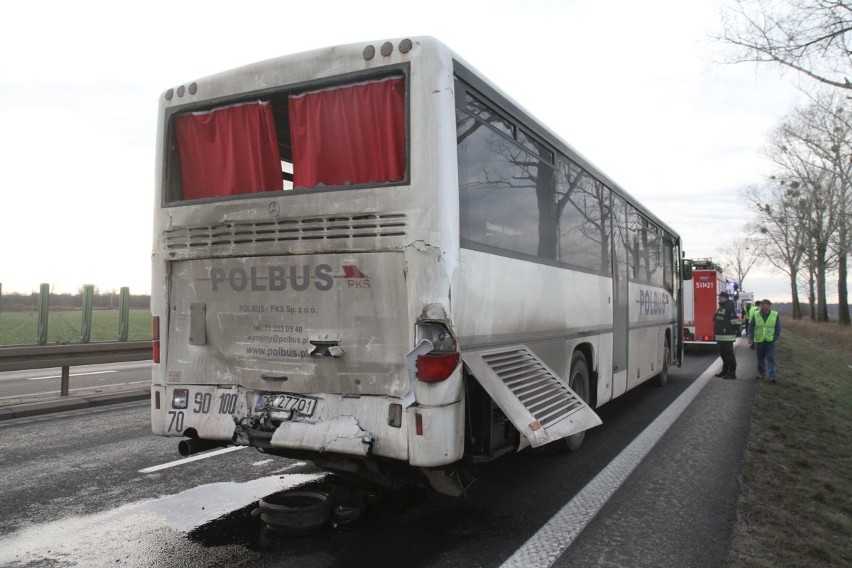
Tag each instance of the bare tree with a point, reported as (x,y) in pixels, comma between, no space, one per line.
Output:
(810,149)
(843,242)
(808,36)
(778,235)
(808,280)
(830,141)
(740,255)
(813,38)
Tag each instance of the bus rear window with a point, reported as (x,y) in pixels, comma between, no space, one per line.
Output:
(341,136)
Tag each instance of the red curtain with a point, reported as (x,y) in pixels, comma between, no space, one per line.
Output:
(353,134)
(229,151)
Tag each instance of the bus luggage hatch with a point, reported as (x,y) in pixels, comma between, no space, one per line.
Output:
(537,402)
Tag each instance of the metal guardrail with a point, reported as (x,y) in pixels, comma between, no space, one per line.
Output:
(21,358)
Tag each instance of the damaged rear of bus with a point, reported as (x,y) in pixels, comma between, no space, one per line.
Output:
(306,251)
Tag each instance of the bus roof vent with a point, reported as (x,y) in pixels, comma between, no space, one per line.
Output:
(279,230)
(537,402)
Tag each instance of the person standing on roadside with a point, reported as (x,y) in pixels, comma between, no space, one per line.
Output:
(724,322)
(751,311)
(764,330)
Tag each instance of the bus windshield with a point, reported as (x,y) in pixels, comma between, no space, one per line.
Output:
(344,135)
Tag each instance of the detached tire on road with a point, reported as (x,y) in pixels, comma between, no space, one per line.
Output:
(294,512)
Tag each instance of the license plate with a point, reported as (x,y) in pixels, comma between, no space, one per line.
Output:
(303,405)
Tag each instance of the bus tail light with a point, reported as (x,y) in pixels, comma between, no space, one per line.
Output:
(155,337)
(436,367)
(442,360)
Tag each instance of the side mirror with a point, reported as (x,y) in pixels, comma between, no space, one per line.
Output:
(687,269)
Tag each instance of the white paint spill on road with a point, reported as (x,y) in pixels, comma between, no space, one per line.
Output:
(135,533)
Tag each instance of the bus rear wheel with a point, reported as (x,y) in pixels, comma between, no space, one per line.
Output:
(663,377)
(578,381)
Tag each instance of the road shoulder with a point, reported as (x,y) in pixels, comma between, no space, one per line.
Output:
(679,505)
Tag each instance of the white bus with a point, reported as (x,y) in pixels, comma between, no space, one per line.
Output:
(370,257)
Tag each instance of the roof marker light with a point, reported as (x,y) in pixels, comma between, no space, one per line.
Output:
(387,48)
(369,52)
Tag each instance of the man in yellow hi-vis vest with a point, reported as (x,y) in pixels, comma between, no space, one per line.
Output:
(764,330)
(751,311)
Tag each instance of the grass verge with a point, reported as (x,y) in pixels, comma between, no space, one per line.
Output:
(795,508)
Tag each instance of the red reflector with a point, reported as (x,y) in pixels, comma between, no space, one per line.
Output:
(156,349)
(436,367)
(418,423)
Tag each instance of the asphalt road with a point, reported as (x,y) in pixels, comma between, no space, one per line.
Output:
(678,507)
(94,488)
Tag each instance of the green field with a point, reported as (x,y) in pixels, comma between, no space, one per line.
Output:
(21,328)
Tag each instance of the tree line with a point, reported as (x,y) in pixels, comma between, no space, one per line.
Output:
(801,214)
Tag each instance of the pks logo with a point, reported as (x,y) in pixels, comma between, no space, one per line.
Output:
(353,277)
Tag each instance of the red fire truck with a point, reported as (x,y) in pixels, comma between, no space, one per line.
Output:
(700,299)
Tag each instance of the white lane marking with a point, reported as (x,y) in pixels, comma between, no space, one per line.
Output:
(71,375)
(98,389)
(264,462)
(76,390)
(189,459)
(545,546)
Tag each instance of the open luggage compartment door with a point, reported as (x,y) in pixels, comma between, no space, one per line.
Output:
(537,402)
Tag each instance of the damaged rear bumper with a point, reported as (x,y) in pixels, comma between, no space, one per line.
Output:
(340,424)
(343,435)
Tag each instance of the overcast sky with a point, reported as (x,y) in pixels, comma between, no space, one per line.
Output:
(631,85)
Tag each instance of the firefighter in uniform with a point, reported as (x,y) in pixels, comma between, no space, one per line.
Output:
(724,322)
